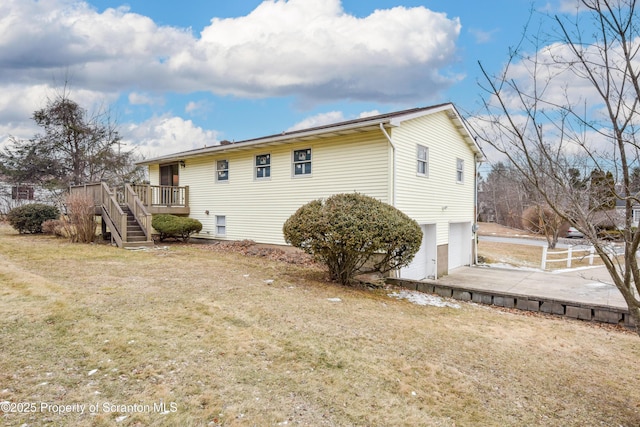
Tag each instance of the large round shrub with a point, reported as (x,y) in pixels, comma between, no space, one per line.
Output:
(29,218)
(351,232)
(178,227)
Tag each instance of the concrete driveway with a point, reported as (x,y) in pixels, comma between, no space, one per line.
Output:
(591,286)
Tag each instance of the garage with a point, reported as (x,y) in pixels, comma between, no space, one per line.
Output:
(423,265)
(459,244)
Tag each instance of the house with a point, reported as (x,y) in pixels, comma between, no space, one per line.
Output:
(422,161)
(13,195)
(621,210)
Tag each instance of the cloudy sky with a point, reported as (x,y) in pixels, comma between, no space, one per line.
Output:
(181,75)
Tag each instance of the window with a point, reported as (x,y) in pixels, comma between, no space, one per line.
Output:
(221,225)
(263,166)
(222,170)
(459,170)
(302,162)
(423,160)
(22,192)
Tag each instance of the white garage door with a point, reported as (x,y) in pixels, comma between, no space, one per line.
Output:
(459,244)
(423,265)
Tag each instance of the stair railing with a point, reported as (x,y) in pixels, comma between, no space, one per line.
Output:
(138,209)
(112,209)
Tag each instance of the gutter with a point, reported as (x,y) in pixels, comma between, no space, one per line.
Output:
(393,147)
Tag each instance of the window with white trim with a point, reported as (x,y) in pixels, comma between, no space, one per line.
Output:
(221,225)
(302,162)
(459,170)
(263,166)
(423,160)
(222,170)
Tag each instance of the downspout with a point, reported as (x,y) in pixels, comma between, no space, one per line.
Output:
(475,209)
(393,147)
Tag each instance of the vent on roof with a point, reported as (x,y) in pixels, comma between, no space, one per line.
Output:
(225,142)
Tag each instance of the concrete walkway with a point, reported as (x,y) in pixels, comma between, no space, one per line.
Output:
(591,286)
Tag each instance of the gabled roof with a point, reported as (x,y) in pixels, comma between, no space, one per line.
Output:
(348,127)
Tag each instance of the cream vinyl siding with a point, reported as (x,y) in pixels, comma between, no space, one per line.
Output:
(257,209)
(154,174)
(424,198)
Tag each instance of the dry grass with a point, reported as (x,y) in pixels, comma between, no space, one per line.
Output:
(526,255)
(88,324)
(531,256)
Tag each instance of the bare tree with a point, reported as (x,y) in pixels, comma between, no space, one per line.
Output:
(503,195)
(571,104)
(74,148)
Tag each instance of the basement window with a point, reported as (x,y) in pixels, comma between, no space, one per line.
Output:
(221,225)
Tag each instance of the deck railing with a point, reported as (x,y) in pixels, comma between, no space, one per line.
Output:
(94,190)
(115,213)
(162,195)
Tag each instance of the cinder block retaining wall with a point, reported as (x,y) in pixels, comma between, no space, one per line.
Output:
(574,310)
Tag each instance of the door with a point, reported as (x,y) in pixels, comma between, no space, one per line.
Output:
(169,177)
(459,244)
(423,265)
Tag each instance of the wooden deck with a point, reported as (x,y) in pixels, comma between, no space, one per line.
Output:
(127,211)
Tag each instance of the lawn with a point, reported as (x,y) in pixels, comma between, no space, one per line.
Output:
(185,335)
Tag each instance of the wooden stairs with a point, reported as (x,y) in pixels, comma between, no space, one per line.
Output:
(124,218)
(135,233)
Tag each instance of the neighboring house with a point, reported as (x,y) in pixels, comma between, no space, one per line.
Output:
(14,195)
(621,210)
(422,161)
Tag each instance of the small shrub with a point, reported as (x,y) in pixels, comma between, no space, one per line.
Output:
(81,225)
(54,226)
(177,227)
(29,218)
(350,231)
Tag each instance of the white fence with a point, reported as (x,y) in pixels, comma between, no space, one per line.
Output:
(570,252)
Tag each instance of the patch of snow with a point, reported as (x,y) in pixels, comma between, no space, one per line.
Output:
(93,371)
(423,299)
(121,418)
(268,281)
(334,299)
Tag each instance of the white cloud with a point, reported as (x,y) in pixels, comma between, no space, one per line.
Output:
(298,47)
(317,50)
(136,98)
(318,120)
(369,113)
(482,36)
(165,135)
(330,117)
(195,108)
